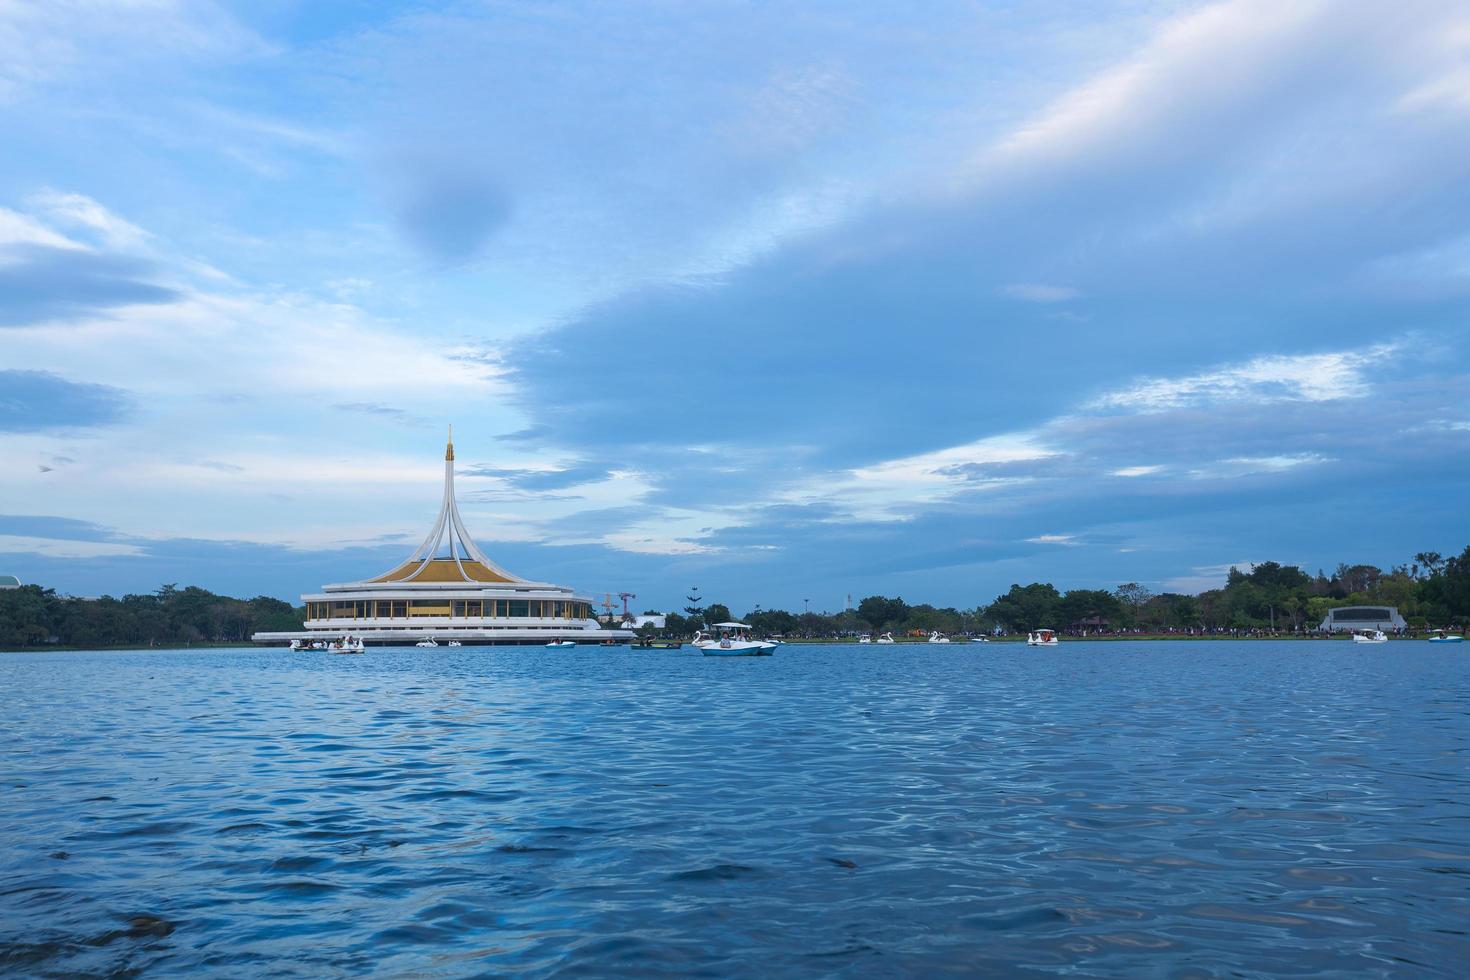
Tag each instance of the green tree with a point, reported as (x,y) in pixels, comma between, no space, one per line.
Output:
(1028,607)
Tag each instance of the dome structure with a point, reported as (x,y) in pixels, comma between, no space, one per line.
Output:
(448,589)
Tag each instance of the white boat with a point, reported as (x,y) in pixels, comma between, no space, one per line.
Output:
(734,641)
(979,639)
(1370,636)
(1440,636)
(313,646)
(885,638)
(426,642)
(455,643)
(934,637)
(865,639)
(348,644)
(561,644)
(1042,638)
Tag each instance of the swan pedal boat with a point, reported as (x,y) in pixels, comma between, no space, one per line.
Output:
(561,644)
(1370,636)
(1042,638)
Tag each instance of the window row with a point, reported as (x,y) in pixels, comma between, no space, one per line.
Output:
(454,609)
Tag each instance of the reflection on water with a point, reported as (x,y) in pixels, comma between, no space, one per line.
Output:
(1122,809)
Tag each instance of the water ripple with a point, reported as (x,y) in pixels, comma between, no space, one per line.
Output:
(1108,810)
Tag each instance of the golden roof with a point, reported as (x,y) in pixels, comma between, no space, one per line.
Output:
(442,570)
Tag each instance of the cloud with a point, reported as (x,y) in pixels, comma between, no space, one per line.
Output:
(387,412)
(1299,377)
(78,210)
(40,283)
(38,401)
(1040,293)
(450,213)
(11,544)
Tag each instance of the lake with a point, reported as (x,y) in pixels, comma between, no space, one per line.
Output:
(1122,809)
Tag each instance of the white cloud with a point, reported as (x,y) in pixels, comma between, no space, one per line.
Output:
(21,229)
(1249,465)
(1067,539)
(1040,292)
(63,548)
(897,489)
(1130,471)
(1287,377)
(80,210)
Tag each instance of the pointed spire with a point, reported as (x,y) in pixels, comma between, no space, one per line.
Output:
(451,527)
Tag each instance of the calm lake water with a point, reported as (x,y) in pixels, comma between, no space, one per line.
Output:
(1105,809)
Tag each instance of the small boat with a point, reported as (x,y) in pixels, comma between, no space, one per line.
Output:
(455,643)
(561,644)
(427,642)
(347,644)
(934,637)
(312,646)
(979,639)
(1440,636)
(1042,638)
(865,639)
(885,638)
(657,644)
(734,641)
(1370,636)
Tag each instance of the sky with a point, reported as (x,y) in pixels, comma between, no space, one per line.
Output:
(788,302)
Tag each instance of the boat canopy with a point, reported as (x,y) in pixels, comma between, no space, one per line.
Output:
(732,626)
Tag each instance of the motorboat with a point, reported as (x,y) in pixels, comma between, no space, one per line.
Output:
(734,641)
(1440,636)
(348,644)
(885,638)
(455,643)
(561,644)
(1042,638)
(934,637)
(979,639)
(1370,636)
(427,642)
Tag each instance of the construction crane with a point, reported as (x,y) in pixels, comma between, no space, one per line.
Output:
(625,596)
(607,606)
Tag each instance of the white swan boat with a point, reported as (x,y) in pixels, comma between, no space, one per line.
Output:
(865,639)
(1042,638)
(561,644)
(348,644)
(934,637)
(734,641)
(1370,636)
(1440,636)
(885,638)
(427,642)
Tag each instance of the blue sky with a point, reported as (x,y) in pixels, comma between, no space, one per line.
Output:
(786,301)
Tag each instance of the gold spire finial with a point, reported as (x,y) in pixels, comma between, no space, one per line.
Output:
(449,449)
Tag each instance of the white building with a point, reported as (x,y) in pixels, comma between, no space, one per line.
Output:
(1385,618)
(456,595)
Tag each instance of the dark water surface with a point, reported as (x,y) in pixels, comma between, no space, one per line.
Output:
(1121,809)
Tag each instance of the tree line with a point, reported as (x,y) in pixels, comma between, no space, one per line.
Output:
(1429,591)
(35,616)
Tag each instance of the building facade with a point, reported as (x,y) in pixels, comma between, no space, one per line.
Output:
(1384,618)
(448,589)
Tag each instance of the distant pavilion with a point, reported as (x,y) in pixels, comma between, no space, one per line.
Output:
(448,589)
